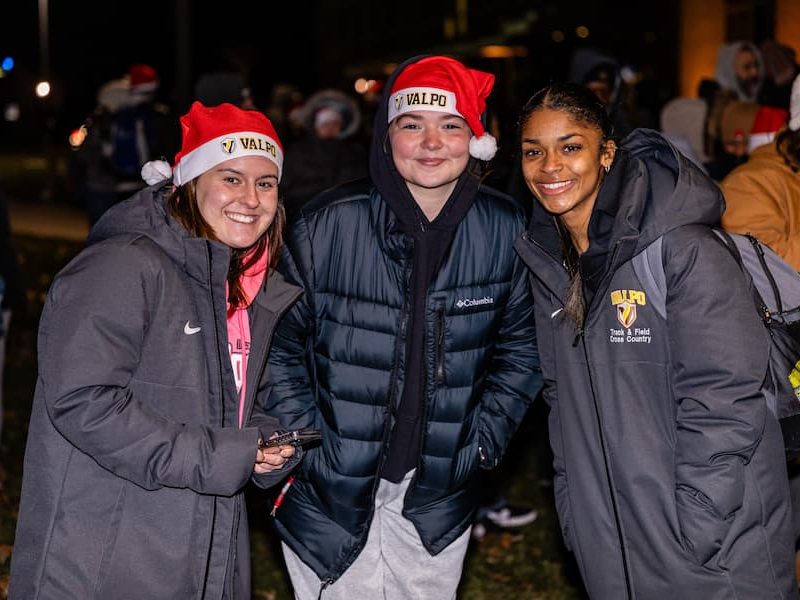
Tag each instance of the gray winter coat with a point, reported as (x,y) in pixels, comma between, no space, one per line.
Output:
(670,475)
(135,464)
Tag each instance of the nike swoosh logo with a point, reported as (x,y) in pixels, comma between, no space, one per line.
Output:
(190,330)
(553,314)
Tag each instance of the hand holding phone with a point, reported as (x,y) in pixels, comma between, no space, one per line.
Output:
(296,437)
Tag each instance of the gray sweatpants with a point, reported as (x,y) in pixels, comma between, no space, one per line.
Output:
(394,565)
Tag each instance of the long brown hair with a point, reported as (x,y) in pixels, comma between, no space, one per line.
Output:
(586,109)
(182,205)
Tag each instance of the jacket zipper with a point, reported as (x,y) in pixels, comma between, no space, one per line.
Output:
(579,338)
(263,350)
(607,468)
(399,346)
(603,442)
(222,414)
(216,337)
(439,379)
(439,331)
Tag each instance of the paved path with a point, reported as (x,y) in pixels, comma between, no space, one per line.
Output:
(51,220)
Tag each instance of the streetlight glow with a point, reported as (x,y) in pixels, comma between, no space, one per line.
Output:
(43,89)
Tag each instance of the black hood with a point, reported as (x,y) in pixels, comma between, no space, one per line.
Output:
(650,189)
(393,188)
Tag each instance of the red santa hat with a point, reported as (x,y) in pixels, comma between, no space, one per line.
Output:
(767,123)
(443,84)
(215,134)
(142,78)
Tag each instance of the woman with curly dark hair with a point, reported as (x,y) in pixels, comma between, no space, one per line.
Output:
(670,479)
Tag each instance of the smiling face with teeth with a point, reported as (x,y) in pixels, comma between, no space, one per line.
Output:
(238,199)
(563,161)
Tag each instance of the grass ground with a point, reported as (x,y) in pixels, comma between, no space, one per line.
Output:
(528,564)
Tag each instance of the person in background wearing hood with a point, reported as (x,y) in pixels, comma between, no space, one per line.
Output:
(413,348)
(327,155)
(600,73)
(740,69)
(762,196)
(147,421)
(127,129)
(670,473)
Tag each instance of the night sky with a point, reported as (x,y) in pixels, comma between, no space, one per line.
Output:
(94,41)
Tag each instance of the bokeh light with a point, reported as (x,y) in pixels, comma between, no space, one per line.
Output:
(43,89)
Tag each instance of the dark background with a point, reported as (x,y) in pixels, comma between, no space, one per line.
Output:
(309,43)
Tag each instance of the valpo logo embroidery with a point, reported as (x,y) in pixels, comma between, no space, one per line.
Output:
(627,303)
(228,145)
(258,144)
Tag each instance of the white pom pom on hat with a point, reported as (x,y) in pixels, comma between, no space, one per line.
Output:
(443,84)
(156,171)
(484,147)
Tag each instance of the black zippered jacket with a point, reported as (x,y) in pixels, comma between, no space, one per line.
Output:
(670,475)
(337,363)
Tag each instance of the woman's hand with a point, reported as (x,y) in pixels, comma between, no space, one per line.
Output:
(272,459)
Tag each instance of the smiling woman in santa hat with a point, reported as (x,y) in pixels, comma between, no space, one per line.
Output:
(147,419)
(412,348)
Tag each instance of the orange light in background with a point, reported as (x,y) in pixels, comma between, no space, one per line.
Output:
(787,23)
(503,51)
(77,137)
(702,32)
(582,31)
(557,36)
(361,85)
(365,86)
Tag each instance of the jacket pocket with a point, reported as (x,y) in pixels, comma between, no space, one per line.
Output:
(702,531)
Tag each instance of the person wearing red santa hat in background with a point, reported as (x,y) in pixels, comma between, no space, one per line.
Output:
(147,419)
(126,129)
(762,196)
(413,348)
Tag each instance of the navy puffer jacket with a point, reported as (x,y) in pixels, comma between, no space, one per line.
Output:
(338,364)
